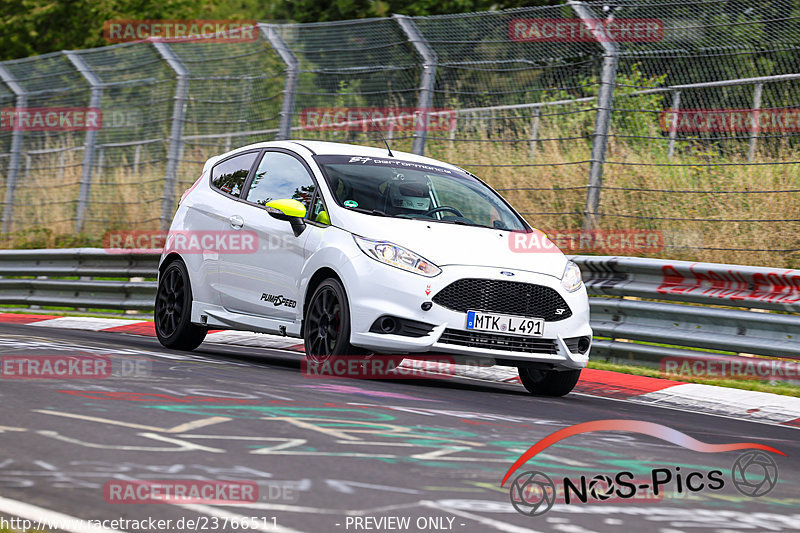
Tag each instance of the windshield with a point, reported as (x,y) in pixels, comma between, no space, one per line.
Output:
(404,189)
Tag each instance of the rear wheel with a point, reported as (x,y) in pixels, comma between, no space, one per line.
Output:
(173,310)
(548,382)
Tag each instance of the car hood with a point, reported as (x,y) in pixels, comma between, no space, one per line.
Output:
(450,244)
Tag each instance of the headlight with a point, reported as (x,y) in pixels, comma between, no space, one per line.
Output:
(397,256)
(571,279)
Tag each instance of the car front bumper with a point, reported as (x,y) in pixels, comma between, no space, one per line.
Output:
(376,290)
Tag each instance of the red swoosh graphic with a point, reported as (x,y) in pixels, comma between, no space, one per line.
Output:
(634,426)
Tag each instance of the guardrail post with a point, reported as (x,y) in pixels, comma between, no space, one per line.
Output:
(21,101)
(87,166)
(605,102)
(751,152)
(176,130)
(427,81)
(271,34)
(673,129)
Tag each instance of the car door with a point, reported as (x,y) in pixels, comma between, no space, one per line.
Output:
(208,221)
(266,283)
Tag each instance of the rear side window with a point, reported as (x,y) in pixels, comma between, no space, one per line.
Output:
(230,175)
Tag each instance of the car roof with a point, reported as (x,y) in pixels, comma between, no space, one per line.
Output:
(334,148)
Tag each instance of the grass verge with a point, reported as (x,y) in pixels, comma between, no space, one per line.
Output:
(759,386)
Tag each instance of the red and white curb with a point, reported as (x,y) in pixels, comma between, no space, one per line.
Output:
(709,399)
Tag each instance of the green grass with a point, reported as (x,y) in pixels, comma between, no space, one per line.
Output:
(68,311)
(754,385)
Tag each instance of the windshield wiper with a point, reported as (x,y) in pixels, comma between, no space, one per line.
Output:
(459,223)
(369,211)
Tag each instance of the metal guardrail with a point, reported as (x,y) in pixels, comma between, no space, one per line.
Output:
(703,306)
(49,268)
(730,308)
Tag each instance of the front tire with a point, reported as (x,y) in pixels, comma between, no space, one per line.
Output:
(173,310)
(548,382)
(326,329)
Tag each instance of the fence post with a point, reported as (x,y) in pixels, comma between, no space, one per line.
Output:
(87,166)
(673,129)
(605,101)
(537,113)
(270,33)
(176,130)
(751,152)
(21,101)
(427,82)
(137,155)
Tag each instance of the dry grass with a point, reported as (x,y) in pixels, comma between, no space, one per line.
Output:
(123,199)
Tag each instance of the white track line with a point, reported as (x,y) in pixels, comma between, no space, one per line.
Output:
(45,519)
(85,322)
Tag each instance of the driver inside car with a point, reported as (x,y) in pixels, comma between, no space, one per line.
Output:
(407,197)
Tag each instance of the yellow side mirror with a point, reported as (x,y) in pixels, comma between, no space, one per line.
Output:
(323,218)
(288,207)
(290,210)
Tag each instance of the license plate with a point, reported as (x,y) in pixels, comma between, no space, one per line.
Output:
(512,325)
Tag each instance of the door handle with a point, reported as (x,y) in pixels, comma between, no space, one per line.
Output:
(236,222)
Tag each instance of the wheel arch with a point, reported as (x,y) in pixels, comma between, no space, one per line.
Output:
(170,258)
(318,277)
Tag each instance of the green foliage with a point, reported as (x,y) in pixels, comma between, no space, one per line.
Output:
(634,115)
(316,11)
(38,237)
(31,27)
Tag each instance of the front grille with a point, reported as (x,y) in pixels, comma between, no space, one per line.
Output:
(506,297)
(493,341)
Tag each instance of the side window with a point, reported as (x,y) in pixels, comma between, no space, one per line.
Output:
(229,176)
(319,213)
(279,177)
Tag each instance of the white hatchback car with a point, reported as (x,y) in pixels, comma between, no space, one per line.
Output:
(362,251)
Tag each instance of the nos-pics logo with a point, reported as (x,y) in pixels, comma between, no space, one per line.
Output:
(754,473)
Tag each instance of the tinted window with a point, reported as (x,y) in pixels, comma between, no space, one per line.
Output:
(279,177)
(407,189)
(229,176)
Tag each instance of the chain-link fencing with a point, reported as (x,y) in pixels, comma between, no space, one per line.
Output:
(679,118)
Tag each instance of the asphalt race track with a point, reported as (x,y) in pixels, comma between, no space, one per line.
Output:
(330,455)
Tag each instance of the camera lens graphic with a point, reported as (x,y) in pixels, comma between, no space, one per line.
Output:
(601,487)
(532,493)
(754,474)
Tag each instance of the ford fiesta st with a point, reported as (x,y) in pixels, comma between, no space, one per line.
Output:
(363,251)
